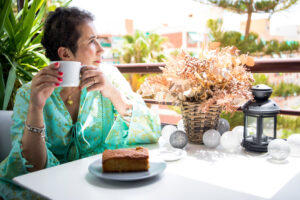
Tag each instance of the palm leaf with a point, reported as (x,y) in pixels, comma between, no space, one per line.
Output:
(32,47)
(9,27)
(9,86)
(41,56)
(21,16)
(29,75)
(12,17)
(25,9)
(2,85)
(37,39)
(37,24)
(4,13)
(29,23)
(66,4)
(34,32)
(29,68)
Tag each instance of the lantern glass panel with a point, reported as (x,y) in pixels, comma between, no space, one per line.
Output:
(268,126)
(251,125)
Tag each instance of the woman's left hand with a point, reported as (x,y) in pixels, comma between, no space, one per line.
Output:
(95,80)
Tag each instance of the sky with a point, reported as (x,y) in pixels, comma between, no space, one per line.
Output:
(152,14)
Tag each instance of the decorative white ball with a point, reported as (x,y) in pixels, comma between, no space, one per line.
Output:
(294,142)
(167,131)
(279,149)
(223,126)
(211,138)
(180,125)
(239,130)
(230,141)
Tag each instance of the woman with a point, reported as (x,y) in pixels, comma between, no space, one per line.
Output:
(77,122)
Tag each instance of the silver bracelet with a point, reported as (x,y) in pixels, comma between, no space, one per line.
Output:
(36,130)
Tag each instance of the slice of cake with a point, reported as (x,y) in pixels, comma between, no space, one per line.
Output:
(125,160)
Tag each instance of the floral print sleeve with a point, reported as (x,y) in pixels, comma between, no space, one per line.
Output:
(144,125)
(15,163)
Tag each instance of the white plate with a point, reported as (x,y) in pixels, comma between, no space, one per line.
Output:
(171,154)
(156,167)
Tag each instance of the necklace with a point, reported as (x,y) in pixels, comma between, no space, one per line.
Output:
(69,101)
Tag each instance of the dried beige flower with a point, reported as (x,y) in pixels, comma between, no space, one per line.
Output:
(218,77)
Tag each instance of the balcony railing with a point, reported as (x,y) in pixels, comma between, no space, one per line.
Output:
(291,65)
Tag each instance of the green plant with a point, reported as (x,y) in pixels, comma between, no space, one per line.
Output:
(288,124)
(272,47)
(234,118)
(21,54)
(53,4)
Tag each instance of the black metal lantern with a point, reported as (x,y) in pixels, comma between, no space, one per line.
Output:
(260,119)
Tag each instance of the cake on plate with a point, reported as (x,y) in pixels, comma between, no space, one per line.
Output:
(125,160)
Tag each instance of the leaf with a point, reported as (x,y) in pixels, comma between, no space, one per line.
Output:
(29,23)
(39,17)
(21,16)
(10,28)
(2,86)
(29,75)
(4,13)
(37,39)
(9,86)
(41,56)
(32,47)
(66,4)
(35,30)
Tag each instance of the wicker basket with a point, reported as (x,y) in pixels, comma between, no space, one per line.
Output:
(196,122)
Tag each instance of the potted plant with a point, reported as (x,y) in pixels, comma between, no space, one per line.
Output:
(21,54)
(203,87)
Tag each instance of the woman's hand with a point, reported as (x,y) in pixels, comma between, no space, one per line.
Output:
(43,84)
(95,80)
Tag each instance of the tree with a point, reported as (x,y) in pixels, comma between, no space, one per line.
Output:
(141,48)
(251,44)
(251,6)
(215,27)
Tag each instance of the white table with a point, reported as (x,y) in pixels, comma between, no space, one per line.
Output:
(202,174)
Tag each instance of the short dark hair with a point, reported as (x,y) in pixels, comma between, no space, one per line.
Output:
(61,30)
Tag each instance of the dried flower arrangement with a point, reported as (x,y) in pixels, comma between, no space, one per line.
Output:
(218,77)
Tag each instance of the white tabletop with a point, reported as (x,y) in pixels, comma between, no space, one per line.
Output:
(202,174)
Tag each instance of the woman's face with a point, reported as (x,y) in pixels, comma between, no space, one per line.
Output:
(88,48)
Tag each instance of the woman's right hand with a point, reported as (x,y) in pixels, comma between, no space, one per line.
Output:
(43,84)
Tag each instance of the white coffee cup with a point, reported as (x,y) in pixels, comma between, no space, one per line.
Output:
(71,70)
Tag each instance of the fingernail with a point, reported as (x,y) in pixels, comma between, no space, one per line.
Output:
(60,73)
(57,84)
(60,79)
(56,64)
(79,87)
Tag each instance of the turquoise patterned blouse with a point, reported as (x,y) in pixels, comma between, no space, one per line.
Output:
(98,127)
